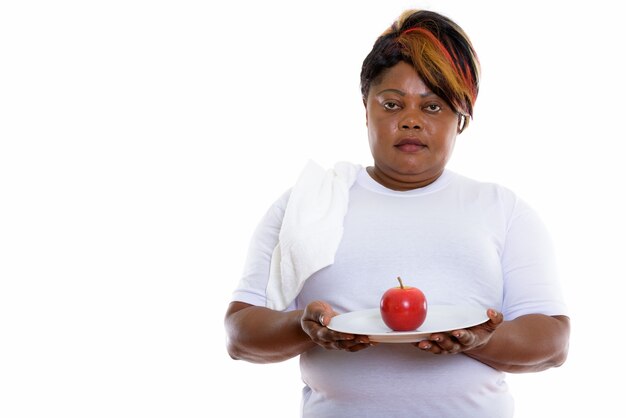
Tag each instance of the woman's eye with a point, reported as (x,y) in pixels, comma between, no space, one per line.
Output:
(433,108)
(391,105)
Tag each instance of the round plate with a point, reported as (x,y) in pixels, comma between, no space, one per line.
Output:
(440,318)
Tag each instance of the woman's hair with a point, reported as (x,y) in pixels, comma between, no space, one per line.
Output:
(437,48)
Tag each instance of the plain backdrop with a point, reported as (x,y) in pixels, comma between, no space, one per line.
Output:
(142,141)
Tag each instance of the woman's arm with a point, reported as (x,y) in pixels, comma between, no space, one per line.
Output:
(529,343)
(261,335)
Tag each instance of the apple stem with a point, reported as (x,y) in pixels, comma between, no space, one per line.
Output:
(401,285)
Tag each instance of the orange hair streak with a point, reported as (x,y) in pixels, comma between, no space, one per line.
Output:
(434,61)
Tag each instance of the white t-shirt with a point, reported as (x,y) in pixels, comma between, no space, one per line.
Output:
(458,240)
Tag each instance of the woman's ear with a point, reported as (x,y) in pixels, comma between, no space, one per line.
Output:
(463,122)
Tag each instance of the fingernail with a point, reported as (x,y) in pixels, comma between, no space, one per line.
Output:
(322,320)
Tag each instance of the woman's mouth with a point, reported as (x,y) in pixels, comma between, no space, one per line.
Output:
(410,145)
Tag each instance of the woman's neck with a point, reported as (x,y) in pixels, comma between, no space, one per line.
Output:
(401,182)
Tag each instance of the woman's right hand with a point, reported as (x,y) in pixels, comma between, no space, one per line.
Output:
(314,322)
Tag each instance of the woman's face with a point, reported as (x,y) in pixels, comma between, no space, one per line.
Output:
(411,130)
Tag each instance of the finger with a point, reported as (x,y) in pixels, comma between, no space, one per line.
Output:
(430,346)
(335,336)
(356,344)
(318,311)
(464,337)
(445,342)
(350,339)
(424,345)
(359,347)
(495,318)
(357,340)
(324,316)
(435,349)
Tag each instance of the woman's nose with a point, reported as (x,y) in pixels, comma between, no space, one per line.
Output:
(410,120)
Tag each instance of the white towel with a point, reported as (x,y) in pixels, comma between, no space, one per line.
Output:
(311,230)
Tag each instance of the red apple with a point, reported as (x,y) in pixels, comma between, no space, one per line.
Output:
(403,308)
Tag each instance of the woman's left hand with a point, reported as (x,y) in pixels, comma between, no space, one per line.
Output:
(461,340)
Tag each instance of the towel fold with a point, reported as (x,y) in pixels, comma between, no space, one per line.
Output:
(311,230)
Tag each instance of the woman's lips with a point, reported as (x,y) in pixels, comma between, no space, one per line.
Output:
(410,145)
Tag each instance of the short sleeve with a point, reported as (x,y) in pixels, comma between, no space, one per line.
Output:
(531,280)
(253,282)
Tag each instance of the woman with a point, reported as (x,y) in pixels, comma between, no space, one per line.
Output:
(337,240)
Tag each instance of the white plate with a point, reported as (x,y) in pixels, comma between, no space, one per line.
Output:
(439,318)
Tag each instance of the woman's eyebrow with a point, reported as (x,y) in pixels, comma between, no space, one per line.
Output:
(396,91)
(402,93)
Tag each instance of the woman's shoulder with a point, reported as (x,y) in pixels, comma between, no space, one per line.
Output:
(487,193)
(481,186)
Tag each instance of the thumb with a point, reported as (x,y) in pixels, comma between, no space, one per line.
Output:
(495,317)
(323,319)
(326,315)
(320,312)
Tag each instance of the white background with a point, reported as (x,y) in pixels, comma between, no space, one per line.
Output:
(141,141)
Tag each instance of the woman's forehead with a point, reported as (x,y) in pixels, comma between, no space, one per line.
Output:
(400,79)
